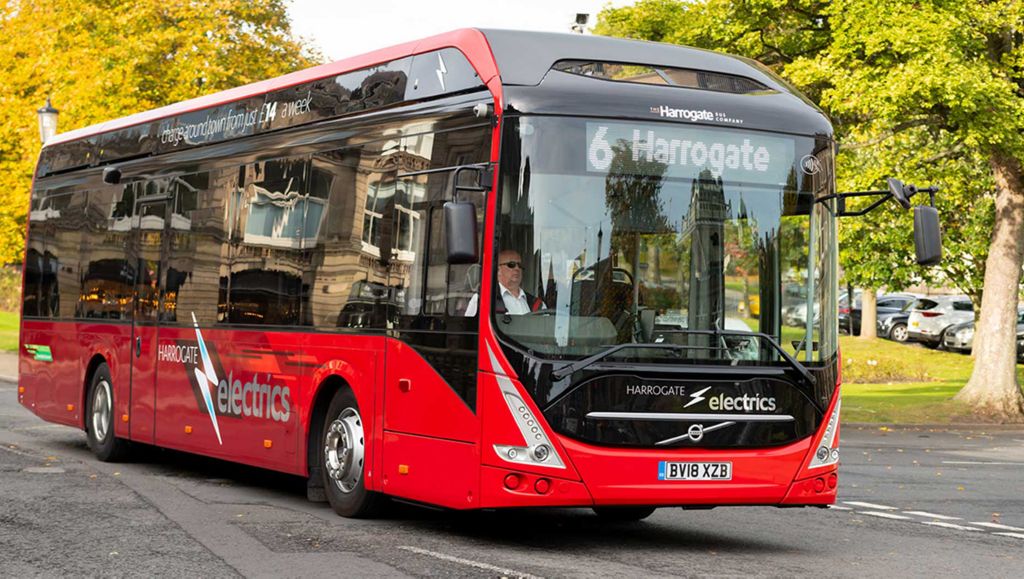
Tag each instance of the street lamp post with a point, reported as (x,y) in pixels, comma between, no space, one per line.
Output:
(47,121)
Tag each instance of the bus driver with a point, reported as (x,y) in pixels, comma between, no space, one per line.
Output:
(510,298)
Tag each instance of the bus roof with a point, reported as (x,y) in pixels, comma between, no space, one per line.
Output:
(457,61)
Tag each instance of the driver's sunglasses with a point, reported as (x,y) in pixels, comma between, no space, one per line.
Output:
(512,264)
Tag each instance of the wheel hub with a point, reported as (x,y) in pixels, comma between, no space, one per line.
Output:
(101,410)
(343,450)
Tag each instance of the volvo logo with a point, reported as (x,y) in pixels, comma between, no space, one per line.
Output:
(695,433)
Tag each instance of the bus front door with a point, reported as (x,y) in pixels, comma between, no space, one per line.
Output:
(147,251)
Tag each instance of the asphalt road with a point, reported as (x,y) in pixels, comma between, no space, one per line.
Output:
(912,503)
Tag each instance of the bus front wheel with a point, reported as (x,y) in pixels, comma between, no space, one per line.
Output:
(99,419)
(342,459)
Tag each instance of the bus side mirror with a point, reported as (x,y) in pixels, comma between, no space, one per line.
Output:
(460,232)
(927,237)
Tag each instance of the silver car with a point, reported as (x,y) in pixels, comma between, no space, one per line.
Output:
(960,337)
(930,317)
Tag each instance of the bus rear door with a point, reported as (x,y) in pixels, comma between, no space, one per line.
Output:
(146,250)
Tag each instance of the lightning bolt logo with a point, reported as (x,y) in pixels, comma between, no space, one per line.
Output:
(441,71)
(695,397)
(208,380)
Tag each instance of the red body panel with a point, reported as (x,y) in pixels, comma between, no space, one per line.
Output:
(418,401)
(494,491)
(431,470)
(619,476)
(260,378)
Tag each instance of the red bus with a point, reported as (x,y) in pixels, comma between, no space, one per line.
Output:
(484,269)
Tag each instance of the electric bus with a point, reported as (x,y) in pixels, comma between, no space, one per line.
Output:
(484,269)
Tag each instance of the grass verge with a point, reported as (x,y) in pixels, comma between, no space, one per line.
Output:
(9,331)
(889,382)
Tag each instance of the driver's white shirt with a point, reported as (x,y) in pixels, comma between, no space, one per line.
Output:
(515,306)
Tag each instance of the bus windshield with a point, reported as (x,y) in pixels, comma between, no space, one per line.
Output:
(616,232)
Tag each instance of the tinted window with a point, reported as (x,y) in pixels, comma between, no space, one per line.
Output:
(661,75)
(107,277)
(347,284)
(963,306)
(41,293)
(67,214)
(266,262)
(923,304)
(197,243)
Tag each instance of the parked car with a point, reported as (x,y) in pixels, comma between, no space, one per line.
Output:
(796,316)
(886,304)
(930,317)
(893,326)
(960,337)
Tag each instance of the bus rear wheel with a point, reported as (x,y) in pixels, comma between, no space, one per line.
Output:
(99,419)
(623,514)
(342,459)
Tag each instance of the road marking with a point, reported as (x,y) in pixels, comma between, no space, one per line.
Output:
(839,508)
(998,526)
(468,562)
(884,515)
(1014,535)
(869,505)
(949,526)
(932,515)
(983,462)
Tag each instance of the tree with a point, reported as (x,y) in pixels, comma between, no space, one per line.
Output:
(103,59)
(930,91)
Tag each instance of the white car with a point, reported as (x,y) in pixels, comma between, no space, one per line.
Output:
(930,317)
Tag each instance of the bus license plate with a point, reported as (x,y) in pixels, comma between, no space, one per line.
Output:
(694,470)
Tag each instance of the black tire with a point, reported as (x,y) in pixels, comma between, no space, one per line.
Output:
(937,345)
(898,333)
(623,514)
(99,419)
(343,472)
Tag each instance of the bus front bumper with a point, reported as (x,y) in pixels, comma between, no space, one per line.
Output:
(763,476)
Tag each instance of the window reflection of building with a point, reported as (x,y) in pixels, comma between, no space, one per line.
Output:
(349,284)
(266,263)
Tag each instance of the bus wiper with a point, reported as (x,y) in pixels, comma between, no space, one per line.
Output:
(580,364)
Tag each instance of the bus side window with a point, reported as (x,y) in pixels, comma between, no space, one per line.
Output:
(197,234)
(344,287)
(35,267)
(64,215)
(265,284)
(106,281)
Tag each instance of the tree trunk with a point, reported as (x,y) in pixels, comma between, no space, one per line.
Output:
(868,314)
(992,390)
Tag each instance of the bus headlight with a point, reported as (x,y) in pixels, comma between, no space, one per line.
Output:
(541,452)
